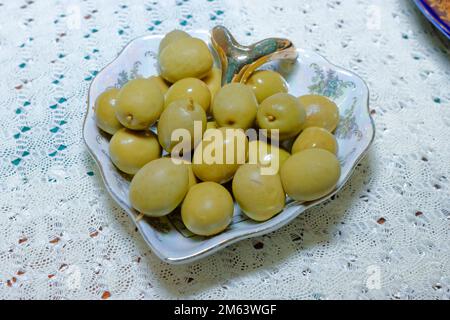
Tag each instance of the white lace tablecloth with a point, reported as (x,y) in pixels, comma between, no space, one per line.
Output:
(386,235)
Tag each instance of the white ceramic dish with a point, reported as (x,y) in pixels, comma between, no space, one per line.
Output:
(166,236)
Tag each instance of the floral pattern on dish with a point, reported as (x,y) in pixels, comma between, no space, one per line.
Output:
(327,83)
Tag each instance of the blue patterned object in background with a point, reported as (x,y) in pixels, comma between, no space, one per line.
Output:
(438,12)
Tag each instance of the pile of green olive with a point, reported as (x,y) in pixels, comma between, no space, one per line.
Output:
(189,90)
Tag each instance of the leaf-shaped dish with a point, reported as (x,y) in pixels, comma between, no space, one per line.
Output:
(166,236)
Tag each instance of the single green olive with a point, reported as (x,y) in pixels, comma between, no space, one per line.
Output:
(281,112)
(266,83)
(159,187)
(320,112)
(310,174)
(189,88)
(105,111)
(131,150)
(181,114)
(235,106)
(315,137)
(207,209)
(171,37)
(139,104)
(220,154)
(260,196)
(185,58)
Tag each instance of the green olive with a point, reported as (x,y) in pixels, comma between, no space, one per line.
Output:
(181,114)
(214,81)
(207,209)
(266,83)
(159,187)
(171,37)
(105,111)
(310,174)
(282,112)
(185,58)
(139,104)
(160,82)
(320,112)
(131,150)
(260,196)
(315,137)
(266,155)
(189,88)
(220,154)
(235,106)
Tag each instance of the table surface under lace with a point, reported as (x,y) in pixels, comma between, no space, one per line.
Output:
(386,234)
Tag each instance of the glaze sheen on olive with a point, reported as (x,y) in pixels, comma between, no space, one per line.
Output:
(233,146)
(159,187)
(281,112)
(259,196)
(320,112)
(266,155)
(139,104)
(185,58)
(235,106)
(207,209)
(105,111)
(181,114)
(266,83)
(315,137)
(189,88)
(310,174)
(131,150)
